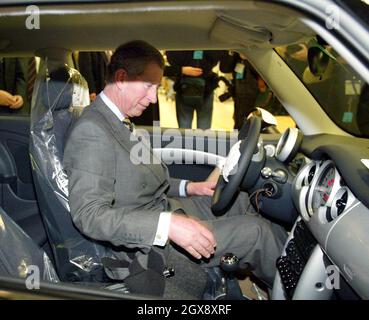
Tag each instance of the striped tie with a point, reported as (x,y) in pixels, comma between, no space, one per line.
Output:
(31,77)
(128,124)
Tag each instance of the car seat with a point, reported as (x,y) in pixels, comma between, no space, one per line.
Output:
(19,255)
(60,95)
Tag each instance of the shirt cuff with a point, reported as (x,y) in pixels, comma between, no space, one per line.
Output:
(182,188)
(162,232)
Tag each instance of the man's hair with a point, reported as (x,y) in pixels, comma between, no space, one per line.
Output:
(133,57)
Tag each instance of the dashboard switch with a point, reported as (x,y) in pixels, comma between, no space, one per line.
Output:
(279,176)
(266,172)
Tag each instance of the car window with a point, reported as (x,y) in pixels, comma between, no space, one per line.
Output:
(17,78)
(238,90)
(235,95)
(340,91)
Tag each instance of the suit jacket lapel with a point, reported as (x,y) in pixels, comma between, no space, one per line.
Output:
(121,133)
(119,130)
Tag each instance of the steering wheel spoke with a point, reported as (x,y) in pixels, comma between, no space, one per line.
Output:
(225,192)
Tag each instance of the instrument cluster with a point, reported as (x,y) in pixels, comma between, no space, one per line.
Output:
(319,189)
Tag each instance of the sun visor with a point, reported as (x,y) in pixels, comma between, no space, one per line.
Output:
(229,32)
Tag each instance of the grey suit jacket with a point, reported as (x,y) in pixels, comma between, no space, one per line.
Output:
(111,198)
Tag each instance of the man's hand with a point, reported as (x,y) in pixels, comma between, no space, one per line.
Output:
(6,99)
(191,71)
(18,102)
(205,188)
(192,236)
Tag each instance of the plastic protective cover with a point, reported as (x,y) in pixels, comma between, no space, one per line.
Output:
(60,94)
(19,256)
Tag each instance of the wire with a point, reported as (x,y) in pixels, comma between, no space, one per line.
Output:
(256,193)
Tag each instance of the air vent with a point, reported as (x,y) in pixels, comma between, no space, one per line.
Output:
(340,202)
(305,175)
(301,187)
(310,176)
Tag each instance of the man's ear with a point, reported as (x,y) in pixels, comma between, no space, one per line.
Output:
(120,75)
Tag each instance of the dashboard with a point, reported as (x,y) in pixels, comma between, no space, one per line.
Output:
(328,247)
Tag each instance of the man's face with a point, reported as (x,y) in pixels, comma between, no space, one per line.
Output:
(137,93)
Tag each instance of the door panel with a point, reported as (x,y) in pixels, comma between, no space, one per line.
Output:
(213,142)
(216,142)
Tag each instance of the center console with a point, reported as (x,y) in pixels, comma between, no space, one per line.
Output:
(298,250)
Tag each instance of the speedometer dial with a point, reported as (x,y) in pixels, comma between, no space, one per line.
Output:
(324,187)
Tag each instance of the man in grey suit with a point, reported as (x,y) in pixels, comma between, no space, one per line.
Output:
(137,206)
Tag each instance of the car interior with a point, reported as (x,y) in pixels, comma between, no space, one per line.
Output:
(313,178)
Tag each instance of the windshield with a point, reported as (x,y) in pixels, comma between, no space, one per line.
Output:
(340,91)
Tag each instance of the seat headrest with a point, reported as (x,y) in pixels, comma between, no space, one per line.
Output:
(64,87)
(57,89)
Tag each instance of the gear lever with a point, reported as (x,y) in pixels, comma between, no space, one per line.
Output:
(229,264)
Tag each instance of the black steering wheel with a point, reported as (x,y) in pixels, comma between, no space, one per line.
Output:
(225,191)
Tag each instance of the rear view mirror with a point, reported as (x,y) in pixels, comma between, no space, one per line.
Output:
(318,61)
(268,120)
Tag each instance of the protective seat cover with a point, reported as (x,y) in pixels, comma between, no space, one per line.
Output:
(59,97)
(20,257)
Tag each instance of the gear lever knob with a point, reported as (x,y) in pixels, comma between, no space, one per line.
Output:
(229,262)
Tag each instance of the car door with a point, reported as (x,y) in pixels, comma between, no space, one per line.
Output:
(193,154)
